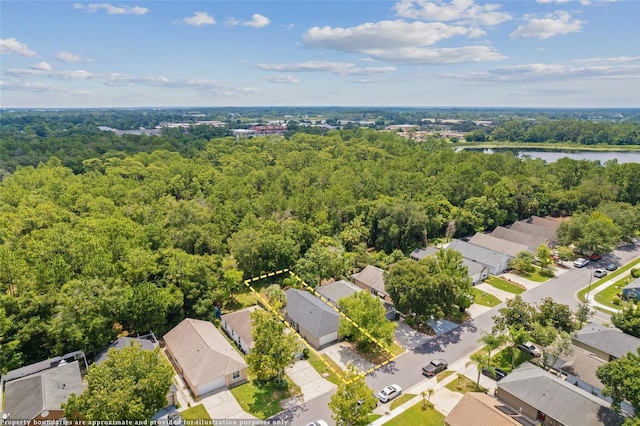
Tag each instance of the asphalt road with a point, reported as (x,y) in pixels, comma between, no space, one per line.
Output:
(406,370)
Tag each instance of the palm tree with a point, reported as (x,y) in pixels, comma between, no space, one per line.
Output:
(479,359)
(517,336)
(492,341)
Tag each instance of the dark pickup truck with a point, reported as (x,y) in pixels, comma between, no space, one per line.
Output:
(433,368)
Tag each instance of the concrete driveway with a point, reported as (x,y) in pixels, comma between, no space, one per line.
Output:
(222,405)
(311,383)
(408,338)
(342,354)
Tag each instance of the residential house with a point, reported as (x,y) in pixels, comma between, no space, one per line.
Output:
(549,400)
(337,290)
(371,278)
(604,342)
(39,397)
(536,230)
(312,318)
(547,222)
(531,241)
(203,357)
(237,325)
(632,290)
(490,242)
(477,270)
(495,262)
(479,409)
(147,342)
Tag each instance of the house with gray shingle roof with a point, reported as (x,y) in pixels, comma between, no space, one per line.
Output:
(337,290)
(237,325)
(632,290)
(477,270)
(550,400)
(147,343)
(490,242)
(39,397)
(496,262)
(312,318)
(531,241)
(204,357)
(605,343)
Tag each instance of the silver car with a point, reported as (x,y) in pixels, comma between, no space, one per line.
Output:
(388,393)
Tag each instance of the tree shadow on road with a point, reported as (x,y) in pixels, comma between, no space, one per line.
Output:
(450,338)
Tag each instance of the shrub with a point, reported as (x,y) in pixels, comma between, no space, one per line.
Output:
(635,272)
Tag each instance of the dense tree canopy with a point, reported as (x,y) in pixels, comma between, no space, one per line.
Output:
(365,312)
(125,234)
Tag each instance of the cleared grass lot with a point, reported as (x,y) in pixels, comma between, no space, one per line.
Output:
(417,415)
(485,299)
(504,285)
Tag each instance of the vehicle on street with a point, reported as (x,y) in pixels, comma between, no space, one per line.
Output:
(388,393)
(318,423)
(611,267)
(530,348)
(495,373)
(595,256)
(599,273)
(434,367)
(580,262)
(175,419)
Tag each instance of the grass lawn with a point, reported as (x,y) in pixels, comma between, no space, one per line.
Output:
(582,294)
(440,377)
(463,384)
(502,359)
(373,417)
(609,294)
(505,285)
(485,299)
(416,415)
(537,276)
(197,412)
(263,401)
(320,366)
(399,401)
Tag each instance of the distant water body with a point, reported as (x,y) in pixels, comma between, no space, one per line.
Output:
(551,156)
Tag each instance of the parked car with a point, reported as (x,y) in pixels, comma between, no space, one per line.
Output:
(495,373)
(595,256)
(580,262)
(611,267)
(388,393)
(530,348)
(175,419)
(599,273)
(318,423)
(434,367)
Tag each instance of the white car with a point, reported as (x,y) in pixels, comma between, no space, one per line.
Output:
(388,393)
(580,262)
(530,348)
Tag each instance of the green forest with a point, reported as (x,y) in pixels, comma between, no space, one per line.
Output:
(102,236)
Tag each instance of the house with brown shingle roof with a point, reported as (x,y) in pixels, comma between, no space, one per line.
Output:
(203,357)
(479,409)
(237,325)
(498,244)
(372,278)
(531,241)
(537,230)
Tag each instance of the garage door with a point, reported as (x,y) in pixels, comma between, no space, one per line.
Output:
(211,386)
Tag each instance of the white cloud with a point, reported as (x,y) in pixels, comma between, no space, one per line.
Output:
(42,66)
(538,72)
(257,21)
(381,35)
(553,24)
(339,68)
(452,11)
(282,79)
(71,57)
(198,19)
(434,56)
(605,60)
(110,9)
(11,45)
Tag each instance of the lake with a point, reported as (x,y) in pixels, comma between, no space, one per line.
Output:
(551,156)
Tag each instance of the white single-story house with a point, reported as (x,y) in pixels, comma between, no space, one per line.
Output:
(237,325)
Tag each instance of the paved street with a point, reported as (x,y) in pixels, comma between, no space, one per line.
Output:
(459,343)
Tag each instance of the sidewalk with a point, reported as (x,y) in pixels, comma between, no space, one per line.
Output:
(592,293)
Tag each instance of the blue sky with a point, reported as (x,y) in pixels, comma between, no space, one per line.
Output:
(516,53)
